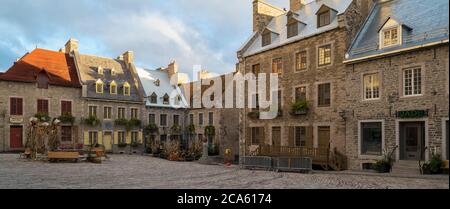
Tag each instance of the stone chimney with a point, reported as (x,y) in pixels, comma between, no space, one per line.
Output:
(295,5)
(263,14)
(71,46)
(128,57)
(172,68)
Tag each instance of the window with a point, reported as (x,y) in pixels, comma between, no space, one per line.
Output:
(323,18)
(126,89)
(200,119)
(121,113)
(277,65)
(16,106)
(166,99)
(255,102)
(93,137)
(266,39)
(121,137)
(280,100)
(390,37)
(100,70)
(113,72)
(371,86)
(113,88)
(42,80)
(191,118)
(300,61)
(163,139)
(163,120)
(177,100)
(324,95)
(371,138)
(134,137)
(99,86)
(300,137)
(324,55)
(92,111)
(210,118)
(134,113)
(292,30)
(66,107)
(151,119)
(256,69)
(300,93)
(107,113)
(153,98)
(176,120)
(66,133)
(256,135)
(412,82)
(42,106)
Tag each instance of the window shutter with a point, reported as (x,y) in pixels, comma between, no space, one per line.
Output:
(140,136)
(86,138)
(100,137)
(128,137)
(309,137)
(116,137)
(291,139)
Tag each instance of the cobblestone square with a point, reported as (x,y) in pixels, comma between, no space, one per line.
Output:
(143,172)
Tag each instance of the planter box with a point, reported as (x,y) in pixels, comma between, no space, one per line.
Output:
(300,112)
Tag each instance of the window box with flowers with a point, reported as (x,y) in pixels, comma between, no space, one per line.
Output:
(67,118)
(300,108)
(42,116)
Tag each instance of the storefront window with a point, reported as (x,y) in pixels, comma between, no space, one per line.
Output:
(371,138)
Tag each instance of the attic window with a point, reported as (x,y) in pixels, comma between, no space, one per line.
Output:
(166,99)
(99,86)
(154,98)
(323,18)
(100,70)
(113,88)
(292,29)
(113,72)
(266,38)
(157,82)
(178,100)
(390,37)
(126,89)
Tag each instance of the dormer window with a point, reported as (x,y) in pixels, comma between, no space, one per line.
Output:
(99,86)
(390,37)
(266,38)
(166,99)
(154,98)
(292,29)
(113,87)
(157,82)
(126,89)
(323,18)
(177,100)
(100,70)
(113,72)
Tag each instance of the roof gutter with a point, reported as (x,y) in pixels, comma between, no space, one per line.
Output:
(361,59)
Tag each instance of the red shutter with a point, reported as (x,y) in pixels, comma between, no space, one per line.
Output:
(66,107)
(16,106)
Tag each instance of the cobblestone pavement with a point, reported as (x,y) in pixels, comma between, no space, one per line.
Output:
(125,171)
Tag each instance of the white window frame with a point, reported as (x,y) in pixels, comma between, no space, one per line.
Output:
(422,87)
(295,135)
(383,139)
(364,96)
(167,118)
(111,113)
(137,112)
(382,38)
(96,111)
(124,112)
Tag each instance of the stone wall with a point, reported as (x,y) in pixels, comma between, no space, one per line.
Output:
(434,62)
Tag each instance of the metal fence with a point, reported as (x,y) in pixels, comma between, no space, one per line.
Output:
(258,162)
(277,163)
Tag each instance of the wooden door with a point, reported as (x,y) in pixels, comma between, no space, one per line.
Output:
(107,141)
(324,136)
(276,136)
(16,137)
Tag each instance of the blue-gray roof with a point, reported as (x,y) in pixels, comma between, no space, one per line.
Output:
(424,22)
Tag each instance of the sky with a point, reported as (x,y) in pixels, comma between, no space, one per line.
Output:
(192,32)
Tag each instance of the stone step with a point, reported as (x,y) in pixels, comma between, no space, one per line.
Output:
(406,167)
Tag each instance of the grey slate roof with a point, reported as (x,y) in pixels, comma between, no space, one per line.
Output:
(88,69)
(426,20)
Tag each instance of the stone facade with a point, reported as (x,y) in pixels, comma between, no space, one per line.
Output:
(435,67)
(30,94)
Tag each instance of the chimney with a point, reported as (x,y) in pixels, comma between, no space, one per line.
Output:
(296,5)
(263,14)
(128,57)
(71,46)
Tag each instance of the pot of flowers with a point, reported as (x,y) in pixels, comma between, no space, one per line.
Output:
(434,166)
(300,107)
(385,164)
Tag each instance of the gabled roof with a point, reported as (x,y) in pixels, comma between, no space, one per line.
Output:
(324,8)
(390,18)
(427,22)
(306,15)
(59,68)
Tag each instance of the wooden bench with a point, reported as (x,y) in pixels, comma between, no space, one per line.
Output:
(57,156)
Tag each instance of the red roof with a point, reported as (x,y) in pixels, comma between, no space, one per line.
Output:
(59,67)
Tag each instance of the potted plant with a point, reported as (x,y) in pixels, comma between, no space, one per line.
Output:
(151,129)
(92,121)
(434,166)
(42,116)
(300,107)
(67,118)
(190,129)
(384,165)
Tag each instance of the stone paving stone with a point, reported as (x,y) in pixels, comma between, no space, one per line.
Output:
(135,172)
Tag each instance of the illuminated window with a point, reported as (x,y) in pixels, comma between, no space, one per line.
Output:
(99,86)
(324,55)
(126,89)
(371,86)
(113,88)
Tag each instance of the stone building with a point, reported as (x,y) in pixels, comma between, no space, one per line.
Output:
(305,46)
(41,83)
(397,84)
(112,100)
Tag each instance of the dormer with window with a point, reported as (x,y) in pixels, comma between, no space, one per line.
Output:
(126,89)
(100,70)
(294,25)
(99,86)
(154,98)
(157,82)
(391,33)
(267,37)
(325,16)
(166,99)
(113,87)
(113,72)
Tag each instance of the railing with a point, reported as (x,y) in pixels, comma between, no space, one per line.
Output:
(441,32)
(318,155)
